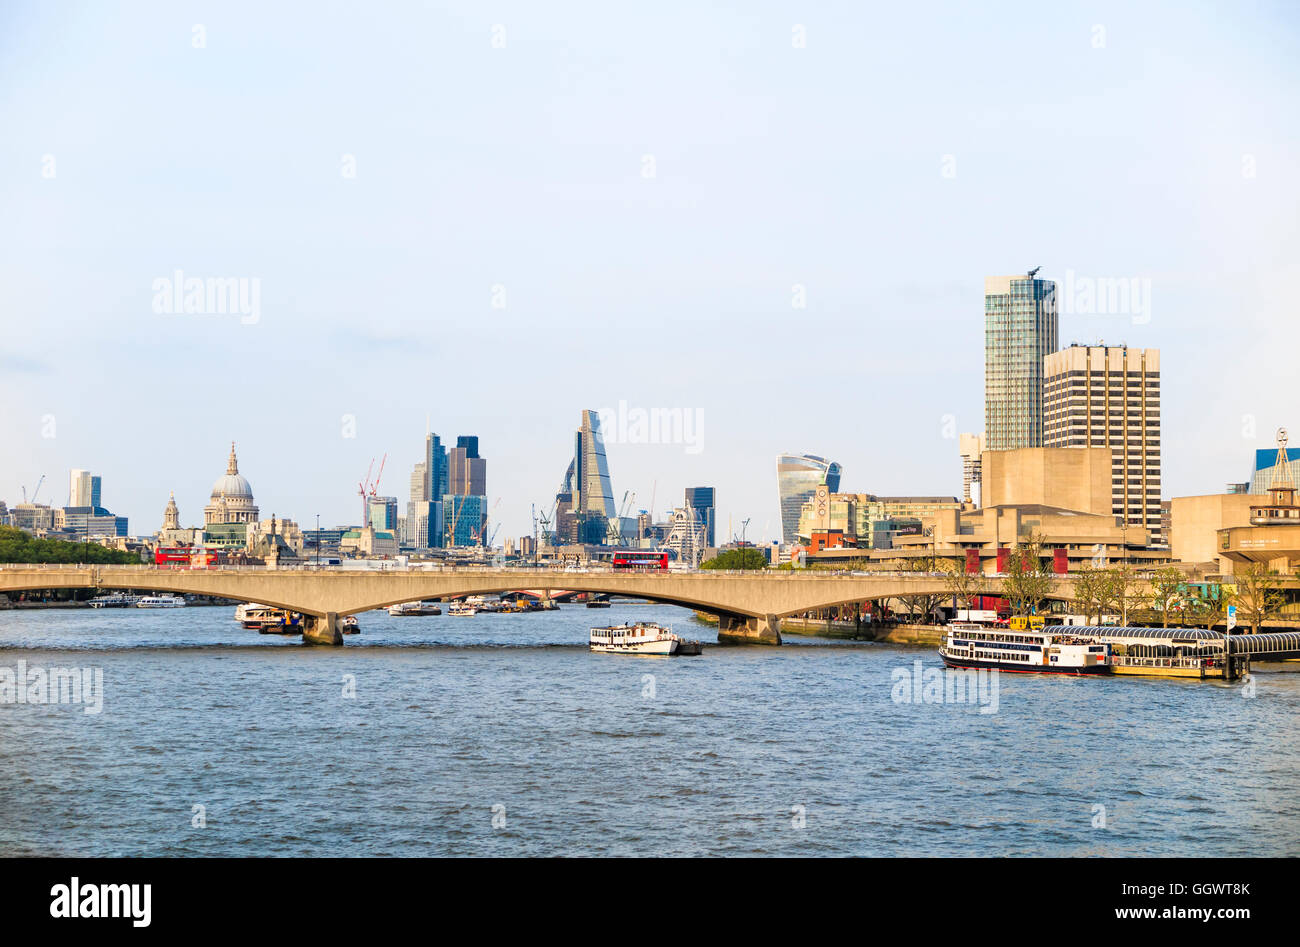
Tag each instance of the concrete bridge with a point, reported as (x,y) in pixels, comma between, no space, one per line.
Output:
(749,605)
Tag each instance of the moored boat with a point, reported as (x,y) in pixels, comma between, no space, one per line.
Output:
(971,646)
(414,608)
(113,600)
(461,609)
(643,637)
(161,601)
(349,625)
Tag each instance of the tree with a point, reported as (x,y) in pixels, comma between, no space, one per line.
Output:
(1207,608)
(1090,587)
(964,586)
(924,603)
(19,546)
(1121,592)
(746,557)
(1027,583)
(1168,589)
(1259,596)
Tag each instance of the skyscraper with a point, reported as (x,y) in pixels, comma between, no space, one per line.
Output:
(797,478)
(1020,329)
(435,467)
(428,484)
(466,470)
(701,500)
(587,485)
(466,477)
(84,489)
(1109,396)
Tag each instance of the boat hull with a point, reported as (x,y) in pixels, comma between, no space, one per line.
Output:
(652,648)
(970,664)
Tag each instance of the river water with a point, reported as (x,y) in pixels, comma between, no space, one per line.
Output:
(503,735)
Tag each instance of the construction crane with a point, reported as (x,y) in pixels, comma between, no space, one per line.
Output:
(614,535)
(368,489)
(34,492)
(479,536)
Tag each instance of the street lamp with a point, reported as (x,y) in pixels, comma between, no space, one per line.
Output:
(317,540)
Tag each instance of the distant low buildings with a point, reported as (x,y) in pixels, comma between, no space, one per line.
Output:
(864,520)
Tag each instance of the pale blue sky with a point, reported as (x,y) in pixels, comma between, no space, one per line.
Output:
(522,166)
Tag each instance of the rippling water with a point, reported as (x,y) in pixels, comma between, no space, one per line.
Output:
(729,755)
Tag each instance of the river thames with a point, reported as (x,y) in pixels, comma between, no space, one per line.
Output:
(502,735)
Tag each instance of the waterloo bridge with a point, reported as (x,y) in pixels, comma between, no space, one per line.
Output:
(749,604)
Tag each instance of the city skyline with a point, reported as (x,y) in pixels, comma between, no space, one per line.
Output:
(1147,169)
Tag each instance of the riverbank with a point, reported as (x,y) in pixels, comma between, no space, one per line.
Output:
(852,631)
(892,634)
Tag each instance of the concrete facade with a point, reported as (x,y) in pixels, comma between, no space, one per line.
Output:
(1067,478)
(1195,523)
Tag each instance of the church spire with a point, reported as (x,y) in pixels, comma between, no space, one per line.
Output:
(233,466)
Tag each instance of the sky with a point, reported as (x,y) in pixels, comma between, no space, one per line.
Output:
(483,218)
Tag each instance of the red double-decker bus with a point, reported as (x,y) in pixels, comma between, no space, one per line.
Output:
(641,561)
(186,557)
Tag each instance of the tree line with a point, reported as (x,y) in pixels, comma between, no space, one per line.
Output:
(19,546)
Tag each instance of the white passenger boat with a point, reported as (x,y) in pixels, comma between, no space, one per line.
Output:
(968,645)
(161,601)
(414,608)
(643,637)
(252,614)
(113,600)
(461,609)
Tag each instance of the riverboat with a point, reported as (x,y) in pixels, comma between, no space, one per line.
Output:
(643,637)
(968,645)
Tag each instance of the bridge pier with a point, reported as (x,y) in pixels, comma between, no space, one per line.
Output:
(322,629)
(743,629)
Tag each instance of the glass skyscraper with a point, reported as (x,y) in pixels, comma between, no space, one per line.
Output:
(464,519)
(588,504)
(1020,329)
(797,478)
(701,500)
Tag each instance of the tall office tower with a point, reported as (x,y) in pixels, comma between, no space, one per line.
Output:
(586,482)
(971,446)
(466,470)
(1020,329)
(84,489)
(435,481)
(797,478)
(1109,396)
(416,532)
(418,482)
(383,512)
(701,500)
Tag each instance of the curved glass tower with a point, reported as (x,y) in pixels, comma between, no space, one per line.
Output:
(797,477)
